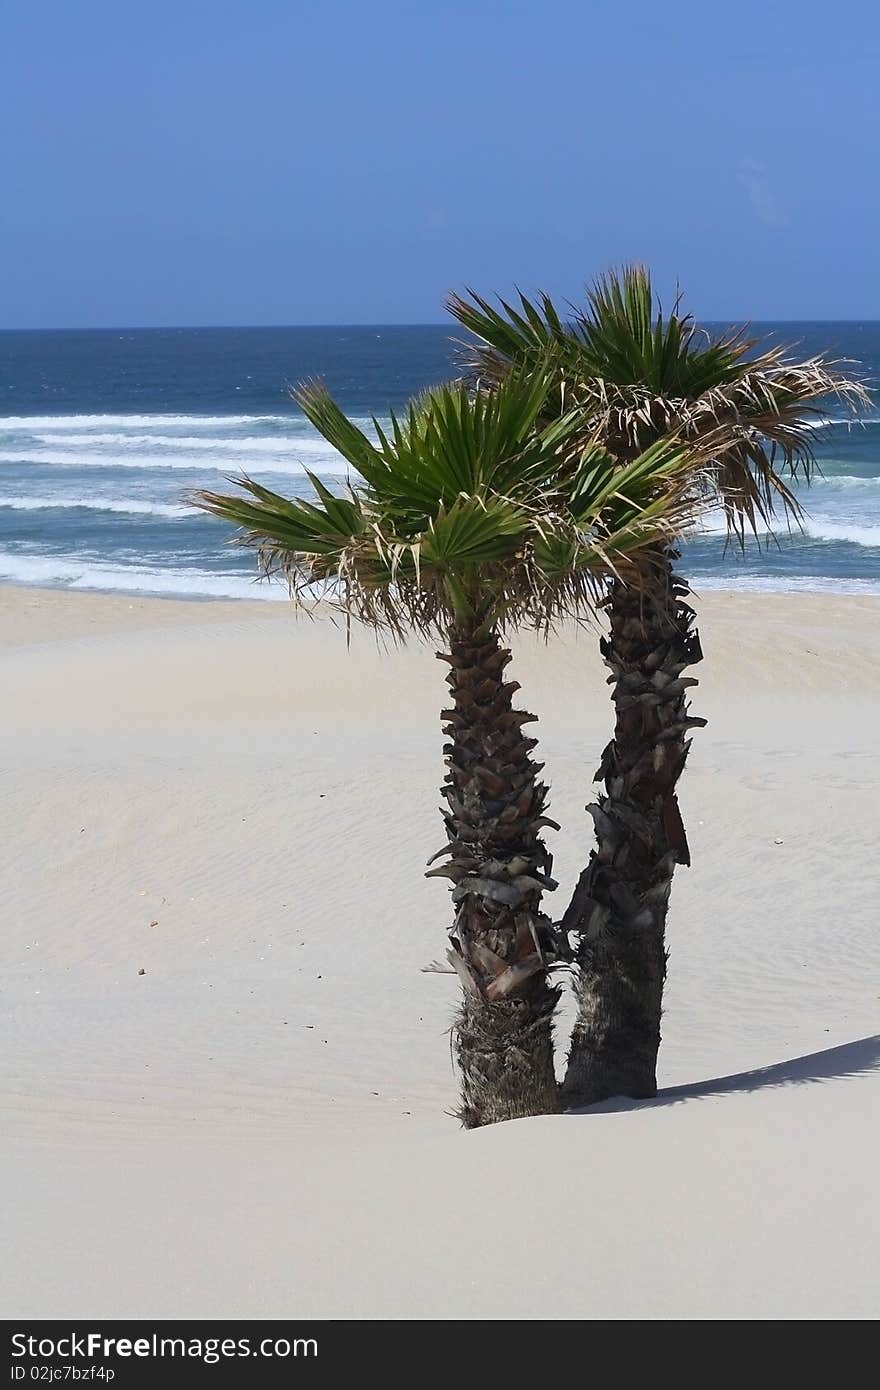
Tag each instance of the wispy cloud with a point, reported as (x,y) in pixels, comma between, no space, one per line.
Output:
(753,177)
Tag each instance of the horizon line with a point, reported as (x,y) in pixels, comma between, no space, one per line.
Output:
(260,327)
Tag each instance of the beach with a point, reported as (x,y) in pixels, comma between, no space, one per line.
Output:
(226,1080)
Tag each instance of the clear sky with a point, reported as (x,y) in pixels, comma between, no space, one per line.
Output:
(327,161)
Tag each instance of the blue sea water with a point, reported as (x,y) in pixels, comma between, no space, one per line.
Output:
(102,433)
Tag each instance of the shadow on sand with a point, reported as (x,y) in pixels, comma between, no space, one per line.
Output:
(849,1059)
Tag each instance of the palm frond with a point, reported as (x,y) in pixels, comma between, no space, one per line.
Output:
(636,375)
(470,504)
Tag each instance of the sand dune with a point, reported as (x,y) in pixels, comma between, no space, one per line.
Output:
(231,802)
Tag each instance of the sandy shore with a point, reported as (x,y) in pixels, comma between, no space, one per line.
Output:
(227,800)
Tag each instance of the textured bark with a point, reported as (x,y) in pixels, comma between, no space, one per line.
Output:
(619,907)
(500,942)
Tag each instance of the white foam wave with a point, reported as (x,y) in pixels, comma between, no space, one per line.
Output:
(822,529)
(814,527)
(128,506)
(68,573)
(249,444)
(844,480)
(321,459)
(201,422)
(108,422)
(779,584)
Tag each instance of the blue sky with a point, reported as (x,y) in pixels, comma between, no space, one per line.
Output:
(293,161)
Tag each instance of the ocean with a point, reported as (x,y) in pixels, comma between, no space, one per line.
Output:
(102,434)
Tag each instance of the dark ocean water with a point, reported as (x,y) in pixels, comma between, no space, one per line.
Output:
(103,432)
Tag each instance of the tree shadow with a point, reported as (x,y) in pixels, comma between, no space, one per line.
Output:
(834,1063)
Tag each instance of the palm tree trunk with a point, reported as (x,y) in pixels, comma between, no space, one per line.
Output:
(620,903)
(501,943)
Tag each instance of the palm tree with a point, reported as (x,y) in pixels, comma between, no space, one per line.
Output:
(634,375)
(456,529)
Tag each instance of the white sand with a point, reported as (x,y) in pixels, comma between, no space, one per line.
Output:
(256,1125)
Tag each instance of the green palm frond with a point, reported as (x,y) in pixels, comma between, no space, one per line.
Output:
(629,340)
(448,442)
(636,375)
(506,335)
(472,504)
